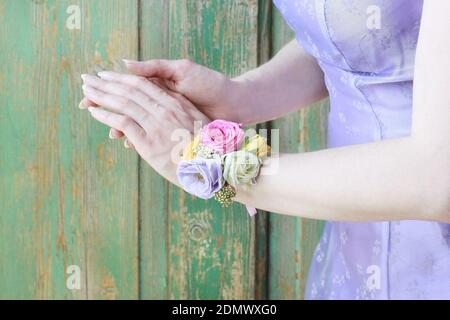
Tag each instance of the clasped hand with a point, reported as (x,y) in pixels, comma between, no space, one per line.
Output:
(145,112)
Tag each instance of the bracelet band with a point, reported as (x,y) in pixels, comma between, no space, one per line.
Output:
(219,159)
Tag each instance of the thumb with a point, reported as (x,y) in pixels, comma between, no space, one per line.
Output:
(157,68)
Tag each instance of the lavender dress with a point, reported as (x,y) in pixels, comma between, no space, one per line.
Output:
(366,50)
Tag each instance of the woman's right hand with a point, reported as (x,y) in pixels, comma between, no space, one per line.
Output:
(213,93)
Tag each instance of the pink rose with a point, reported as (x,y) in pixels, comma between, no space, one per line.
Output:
(222,136)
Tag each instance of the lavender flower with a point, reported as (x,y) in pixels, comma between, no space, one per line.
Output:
(200,177)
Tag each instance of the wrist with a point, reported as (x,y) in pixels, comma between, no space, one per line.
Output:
(169,172)
(221,160)
(240,100)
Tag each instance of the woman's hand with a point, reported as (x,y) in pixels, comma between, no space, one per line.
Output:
(145,113)
(212,92)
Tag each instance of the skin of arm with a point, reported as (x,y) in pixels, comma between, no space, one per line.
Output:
(291,80)
(396,179)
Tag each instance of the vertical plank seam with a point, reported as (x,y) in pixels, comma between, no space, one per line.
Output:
(166,184)
(261,59)
(269,128)
(139,162)
(86,268)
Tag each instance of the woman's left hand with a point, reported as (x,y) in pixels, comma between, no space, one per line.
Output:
(147,114)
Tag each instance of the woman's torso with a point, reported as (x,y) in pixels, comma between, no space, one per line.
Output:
(366,49)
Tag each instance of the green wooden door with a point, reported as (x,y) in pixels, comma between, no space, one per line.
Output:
(69,196)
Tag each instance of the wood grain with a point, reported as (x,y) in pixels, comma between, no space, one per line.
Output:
(203,251)
(153,200)
(70,196)
(67,193)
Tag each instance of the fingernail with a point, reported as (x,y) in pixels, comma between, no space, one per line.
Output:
(91,109)
(129,61)
(83,76)
(81,105)
(110,135)
(87,88)
(102,73)
(126,143)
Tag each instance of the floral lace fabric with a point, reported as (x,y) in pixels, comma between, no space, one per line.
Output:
(366,49)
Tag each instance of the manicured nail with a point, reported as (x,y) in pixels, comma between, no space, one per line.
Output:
(82,105)
(87,88)
(102,74)
(126,61)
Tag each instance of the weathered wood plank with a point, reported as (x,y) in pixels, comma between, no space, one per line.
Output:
(292,240)
(68,195)
(153,199)
(210,251)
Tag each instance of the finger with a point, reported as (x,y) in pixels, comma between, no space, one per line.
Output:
(188,106)
(119,89)
(119,122)
(86,103)
(147,87)
(127,144)
(118,104)
(160,68)
(162,83)
(115,134)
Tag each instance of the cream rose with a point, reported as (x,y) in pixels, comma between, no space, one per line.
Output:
(240,167)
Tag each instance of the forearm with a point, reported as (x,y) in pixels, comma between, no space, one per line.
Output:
(385,180)
(405,178)
(290,80)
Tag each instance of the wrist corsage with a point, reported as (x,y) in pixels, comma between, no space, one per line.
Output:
(218,159)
